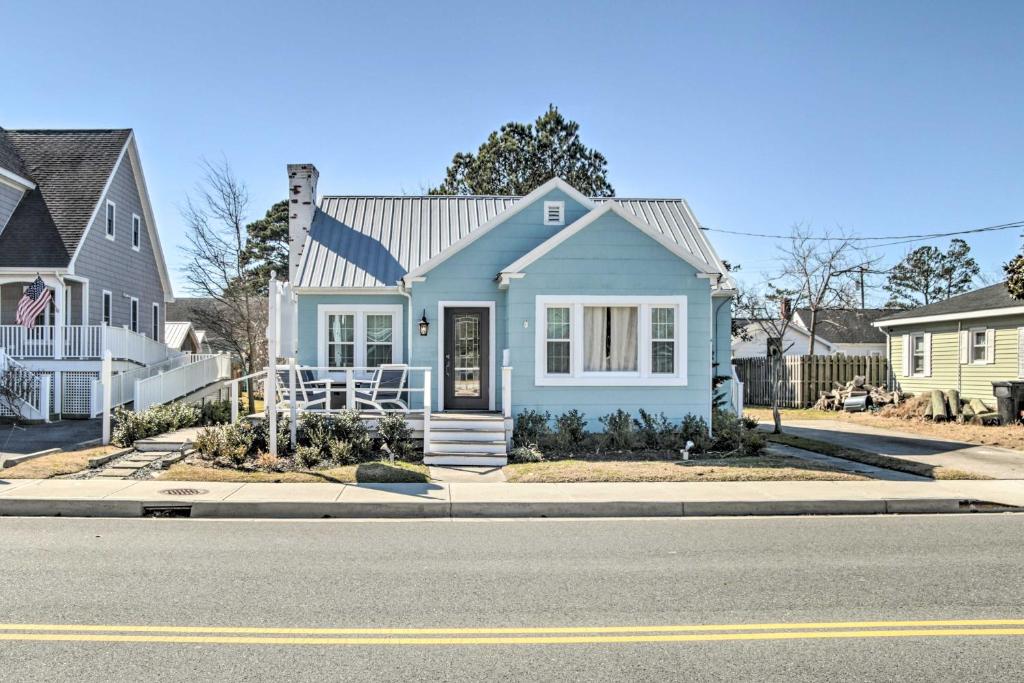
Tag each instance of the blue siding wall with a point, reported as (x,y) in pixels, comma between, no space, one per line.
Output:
(470,275)
(308,319)
(611,257)
(723,341)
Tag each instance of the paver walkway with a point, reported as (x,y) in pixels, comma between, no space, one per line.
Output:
(879,473)
(990,461)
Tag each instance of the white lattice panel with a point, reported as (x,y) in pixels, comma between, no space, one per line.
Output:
(77,397)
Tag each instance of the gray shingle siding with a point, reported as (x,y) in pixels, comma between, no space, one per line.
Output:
(114,265)
(9,198)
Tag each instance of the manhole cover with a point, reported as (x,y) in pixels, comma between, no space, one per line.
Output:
(184,492)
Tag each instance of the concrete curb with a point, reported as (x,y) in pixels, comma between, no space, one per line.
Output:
(101,460)
(440,509)
(13,460)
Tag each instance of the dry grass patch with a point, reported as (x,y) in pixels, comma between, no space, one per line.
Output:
(365,473)
(866,457)
(759,468)
(55,465)
(1004,436)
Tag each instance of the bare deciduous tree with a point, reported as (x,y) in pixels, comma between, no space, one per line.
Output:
(822,269)
(215,222)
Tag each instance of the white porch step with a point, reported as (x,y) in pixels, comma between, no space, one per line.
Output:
(488,423)
(437,446)
(463,434)
(471,459)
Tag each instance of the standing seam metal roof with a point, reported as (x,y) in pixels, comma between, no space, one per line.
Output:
(373,241)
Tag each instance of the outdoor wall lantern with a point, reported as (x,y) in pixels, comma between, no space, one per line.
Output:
(424,324)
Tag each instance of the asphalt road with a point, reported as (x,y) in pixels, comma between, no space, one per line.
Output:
(125,575)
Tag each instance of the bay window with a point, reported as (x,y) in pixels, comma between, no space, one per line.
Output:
(363,335)
(610,340)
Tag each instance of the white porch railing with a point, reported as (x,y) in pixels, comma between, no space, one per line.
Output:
(181,381)
(32,391)
(122,385)
(82,341)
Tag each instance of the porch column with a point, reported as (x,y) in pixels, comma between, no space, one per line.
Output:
(58,316)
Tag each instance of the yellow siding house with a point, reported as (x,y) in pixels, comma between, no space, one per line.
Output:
(964,343)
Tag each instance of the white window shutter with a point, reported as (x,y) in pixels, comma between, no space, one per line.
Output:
(907,355)
(990,346)
(965,347)
(927,354)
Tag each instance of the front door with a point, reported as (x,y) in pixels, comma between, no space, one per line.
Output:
(467,361)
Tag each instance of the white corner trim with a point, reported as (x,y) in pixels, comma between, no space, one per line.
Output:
(561,236)
(947,317)
(490,306)
(578,377)
(360,311)
(528,200)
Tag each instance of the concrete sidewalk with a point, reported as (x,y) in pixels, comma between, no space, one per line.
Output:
(989,461)
(127,498)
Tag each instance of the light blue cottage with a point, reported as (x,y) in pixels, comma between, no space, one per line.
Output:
(546,302)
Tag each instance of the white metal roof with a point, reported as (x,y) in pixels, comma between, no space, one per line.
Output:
(374,241)
(175,333)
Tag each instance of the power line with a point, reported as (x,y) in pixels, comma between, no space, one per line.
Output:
(902,239)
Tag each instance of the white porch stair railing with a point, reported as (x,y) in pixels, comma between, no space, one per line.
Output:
(122,385)
(181,381)
(32,392)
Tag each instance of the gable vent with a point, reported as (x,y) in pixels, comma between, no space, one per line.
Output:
(554,213)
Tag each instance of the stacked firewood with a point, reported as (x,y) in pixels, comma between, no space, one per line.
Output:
(858,387)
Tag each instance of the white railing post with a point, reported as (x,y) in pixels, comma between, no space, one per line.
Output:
(427,401)
(327,395)
(293,414)
(506,391)
(350,389)
(234,402)
(44,398)
(139,407)
(105,376)
(270,398)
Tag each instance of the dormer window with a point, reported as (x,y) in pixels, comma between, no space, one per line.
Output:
(554,213)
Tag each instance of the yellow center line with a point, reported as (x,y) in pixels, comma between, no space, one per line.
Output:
(523,630)
(514,640)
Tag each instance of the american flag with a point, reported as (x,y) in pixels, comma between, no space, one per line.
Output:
(35,300)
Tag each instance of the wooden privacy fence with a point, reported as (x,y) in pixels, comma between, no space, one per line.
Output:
(805,377)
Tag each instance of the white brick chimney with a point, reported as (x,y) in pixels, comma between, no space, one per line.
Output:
(301,208)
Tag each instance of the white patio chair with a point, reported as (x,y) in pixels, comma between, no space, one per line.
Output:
(385,388)
(305,397)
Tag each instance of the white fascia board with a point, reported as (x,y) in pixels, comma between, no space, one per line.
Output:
(346,290)
(951,317)
(558,238)
(19,183)
(553,184)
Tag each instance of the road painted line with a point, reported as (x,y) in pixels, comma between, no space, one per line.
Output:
(515,640)
(513,630)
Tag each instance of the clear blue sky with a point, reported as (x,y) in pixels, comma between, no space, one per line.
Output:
(881,117)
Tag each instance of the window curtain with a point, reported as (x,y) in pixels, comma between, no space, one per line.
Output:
(595,331)
(623,339)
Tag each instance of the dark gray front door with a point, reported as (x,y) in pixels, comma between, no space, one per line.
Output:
(467,359)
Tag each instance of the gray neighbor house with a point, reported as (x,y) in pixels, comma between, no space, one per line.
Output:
(75,211)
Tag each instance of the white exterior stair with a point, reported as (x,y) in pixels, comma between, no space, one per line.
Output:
(467,439)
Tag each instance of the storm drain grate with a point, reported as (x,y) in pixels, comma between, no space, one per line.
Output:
(184,492)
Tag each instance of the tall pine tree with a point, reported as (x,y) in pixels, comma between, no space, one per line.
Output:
(928,274)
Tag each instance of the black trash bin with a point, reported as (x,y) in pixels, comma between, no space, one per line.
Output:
(1009,400)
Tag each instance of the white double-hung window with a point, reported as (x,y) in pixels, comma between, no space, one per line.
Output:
(610,340)
(363,335)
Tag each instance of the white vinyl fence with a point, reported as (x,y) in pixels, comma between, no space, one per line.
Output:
(122,385)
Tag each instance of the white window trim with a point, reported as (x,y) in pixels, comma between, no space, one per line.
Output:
(560,206)
(133,314)
(925,351)
(107,296)
(577,376)
(971,360)
(359,311)
(136,232)
(156,322)
(110,231)
(490,306)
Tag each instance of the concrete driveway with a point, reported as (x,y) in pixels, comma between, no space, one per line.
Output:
(990,461)
(40,437)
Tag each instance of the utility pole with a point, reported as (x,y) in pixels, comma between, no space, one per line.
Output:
(862,287)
